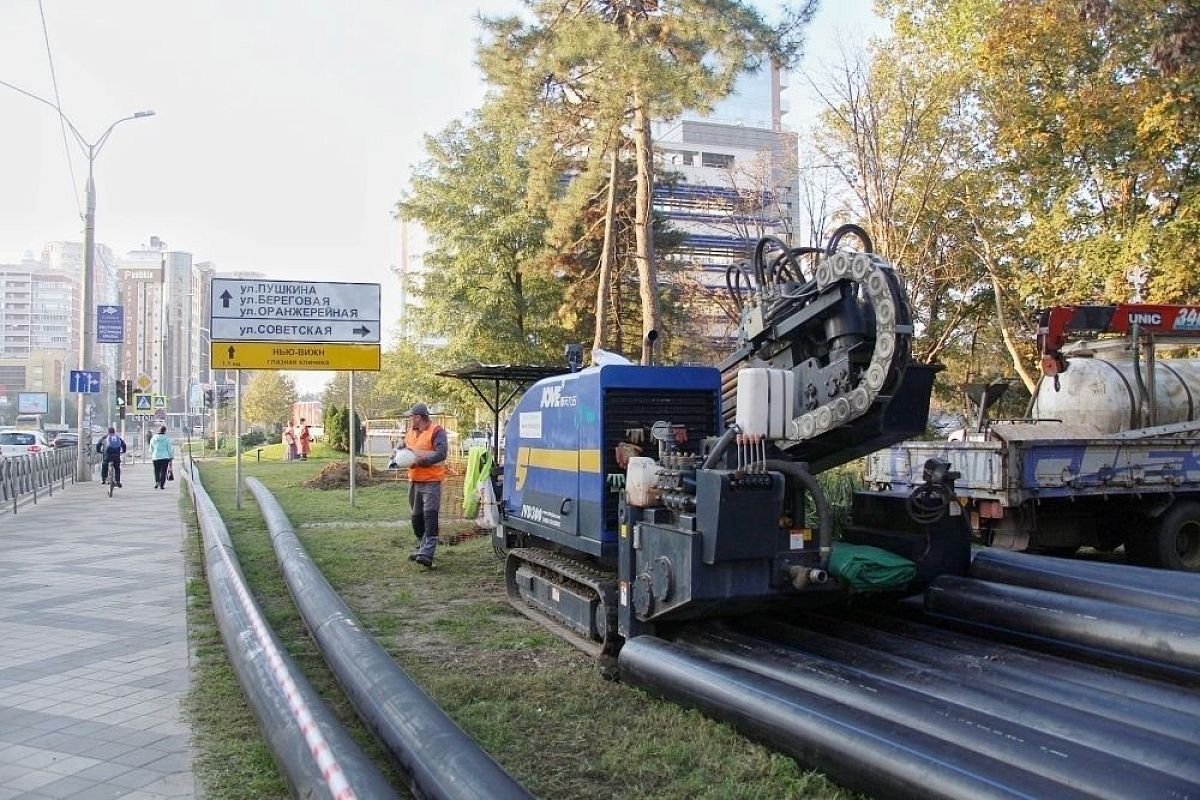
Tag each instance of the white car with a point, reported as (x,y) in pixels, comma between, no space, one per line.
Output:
(19,443)
(474,439)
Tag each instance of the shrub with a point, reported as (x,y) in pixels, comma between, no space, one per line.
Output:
(253,438)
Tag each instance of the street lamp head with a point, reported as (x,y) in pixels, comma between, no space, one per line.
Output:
(140,114)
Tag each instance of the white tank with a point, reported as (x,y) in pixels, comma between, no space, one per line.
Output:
(1103,392)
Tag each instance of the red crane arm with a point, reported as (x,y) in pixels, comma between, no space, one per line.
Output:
(1057,325)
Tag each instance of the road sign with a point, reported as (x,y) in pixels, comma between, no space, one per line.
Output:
(143,382)
(255,330)
(143,417)
(33,402)
(84,382)
(143,403)
(160,401)
(110,324)
(282,355)
(294,311)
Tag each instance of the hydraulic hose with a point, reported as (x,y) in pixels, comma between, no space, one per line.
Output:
(721,446)
(798,474)
(849,229)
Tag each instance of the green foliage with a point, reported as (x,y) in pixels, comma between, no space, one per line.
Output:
(269,398)
(1015,155)
(584,81)
(253,438)
(337,428)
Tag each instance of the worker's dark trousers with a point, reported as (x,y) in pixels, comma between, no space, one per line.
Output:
(425,498)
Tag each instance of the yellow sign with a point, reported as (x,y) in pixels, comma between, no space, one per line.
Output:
(288,355)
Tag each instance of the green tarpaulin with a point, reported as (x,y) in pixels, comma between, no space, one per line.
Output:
(869,569)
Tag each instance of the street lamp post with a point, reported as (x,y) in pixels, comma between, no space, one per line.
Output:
(86,311)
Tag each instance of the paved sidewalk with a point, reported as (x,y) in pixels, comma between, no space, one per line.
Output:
(93,645)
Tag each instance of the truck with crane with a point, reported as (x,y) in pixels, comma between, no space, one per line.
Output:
(1108,454)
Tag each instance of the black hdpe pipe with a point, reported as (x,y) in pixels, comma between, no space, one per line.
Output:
(1036,672)
(1102,754)
(1126,699)
(1154,589)
(855,748)
(1149,641)
(440,760)
(317,760)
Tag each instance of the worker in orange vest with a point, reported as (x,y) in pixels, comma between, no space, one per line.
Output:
(429,444)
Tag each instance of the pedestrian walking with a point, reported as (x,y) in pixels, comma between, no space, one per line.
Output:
(428,442)
(289,442)
(305,439)
(160,453)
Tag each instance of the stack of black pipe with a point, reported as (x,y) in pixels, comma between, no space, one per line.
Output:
(900,707)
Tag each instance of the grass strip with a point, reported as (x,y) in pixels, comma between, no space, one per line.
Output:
(535,703)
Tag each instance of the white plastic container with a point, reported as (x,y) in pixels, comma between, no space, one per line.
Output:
(639,482)
(765,401)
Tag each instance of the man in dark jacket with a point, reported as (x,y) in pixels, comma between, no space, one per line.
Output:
(112,447)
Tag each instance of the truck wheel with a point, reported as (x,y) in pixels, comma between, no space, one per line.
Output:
(1175,544)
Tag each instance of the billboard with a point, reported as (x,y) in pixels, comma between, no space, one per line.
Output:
(33,402)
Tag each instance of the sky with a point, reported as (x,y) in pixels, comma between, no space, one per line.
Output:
(284,130)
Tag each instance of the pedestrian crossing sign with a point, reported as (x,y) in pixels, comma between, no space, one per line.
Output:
(142,402)
(160,401)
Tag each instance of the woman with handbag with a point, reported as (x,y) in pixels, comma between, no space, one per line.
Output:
(161,451)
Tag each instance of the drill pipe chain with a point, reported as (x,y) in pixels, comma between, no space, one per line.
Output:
(875,276)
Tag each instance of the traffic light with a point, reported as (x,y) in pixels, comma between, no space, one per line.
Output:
(120,398)
(208,398)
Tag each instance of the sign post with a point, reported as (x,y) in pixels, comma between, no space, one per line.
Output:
(293,325)
(237,439)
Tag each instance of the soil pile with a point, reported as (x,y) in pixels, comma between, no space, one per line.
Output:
(337,476)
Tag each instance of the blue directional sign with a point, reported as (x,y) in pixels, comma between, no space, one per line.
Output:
(84,382)
(110,324)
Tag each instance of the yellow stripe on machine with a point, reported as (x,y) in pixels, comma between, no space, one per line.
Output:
(548,458)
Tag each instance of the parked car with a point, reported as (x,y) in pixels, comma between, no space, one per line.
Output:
(475,438)
(65,439)
(19,443)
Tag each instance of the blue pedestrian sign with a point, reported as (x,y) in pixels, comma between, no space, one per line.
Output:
(110,324)
(84,382)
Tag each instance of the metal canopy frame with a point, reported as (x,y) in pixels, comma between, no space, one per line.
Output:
(500,378)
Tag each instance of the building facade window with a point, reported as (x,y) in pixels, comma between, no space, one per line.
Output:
(722,160)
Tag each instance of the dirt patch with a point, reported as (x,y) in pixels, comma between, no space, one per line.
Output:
(337,476)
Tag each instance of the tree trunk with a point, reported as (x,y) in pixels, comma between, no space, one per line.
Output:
(643,227)
(988,264)
(600,340)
